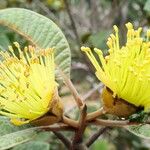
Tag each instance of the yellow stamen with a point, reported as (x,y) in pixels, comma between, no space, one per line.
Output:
(126,70)
(27,83)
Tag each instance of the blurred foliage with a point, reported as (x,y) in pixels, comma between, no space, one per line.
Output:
(147,7)
(93,22)
(101,144)
(55,4)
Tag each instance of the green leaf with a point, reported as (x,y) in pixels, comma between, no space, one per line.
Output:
(11,135)
(6,127)
(43,136)
(100,145)
(99,39)
(40,141)
(140,130)
(4,41)
(33,145)
(15,138)
(147,6)
(40,32)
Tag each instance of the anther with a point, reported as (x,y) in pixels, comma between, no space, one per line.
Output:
(129,26)
(17,44)
(98,51)
(115,28)
(85,49)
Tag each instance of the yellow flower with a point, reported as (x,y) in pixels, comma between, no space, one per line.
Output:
(27,83)
(126,70)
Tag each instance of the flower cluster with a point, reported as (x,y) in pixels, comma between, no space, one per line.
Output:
(126,70)
(27,83)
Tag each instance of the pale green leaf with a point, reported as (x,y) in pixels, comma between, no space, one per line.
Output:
(147,6)
(15,138)
(140,130)
(39,31)
(11,135)
(100,145)
(33,145)
(4,41)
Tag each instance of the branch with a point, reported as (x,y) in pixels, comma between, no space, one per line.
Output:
(94,15)
(81,126)
(72,22)
(114,123)
(78,138)
(46,10)
(74,92)
(64,140)
(92,91)
(56,127)
(79,65)
(95,114)
(95,136)
(70,122)
(85,97)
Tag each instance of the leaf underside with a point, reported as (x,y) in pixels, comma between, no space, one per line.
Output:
(11,135)
(142,131)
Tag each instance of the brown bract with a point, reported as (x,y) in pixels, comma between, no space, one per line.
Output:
(117,106)
(54,115)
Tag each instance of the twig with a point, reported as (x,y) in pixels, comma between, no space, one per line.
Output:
(70,122)
(94,15)
(77,141)
(79,65)
(46,10)
(72,22)
(64,140)
(86,96)
(57,127)
(54,127)
(114,123)
(82,120)
(92,91)
(74,92)
(95,114)
(95,136)
(82,125)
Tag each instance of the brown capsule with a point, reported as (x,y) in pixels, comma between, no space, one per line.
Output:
(117,106)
